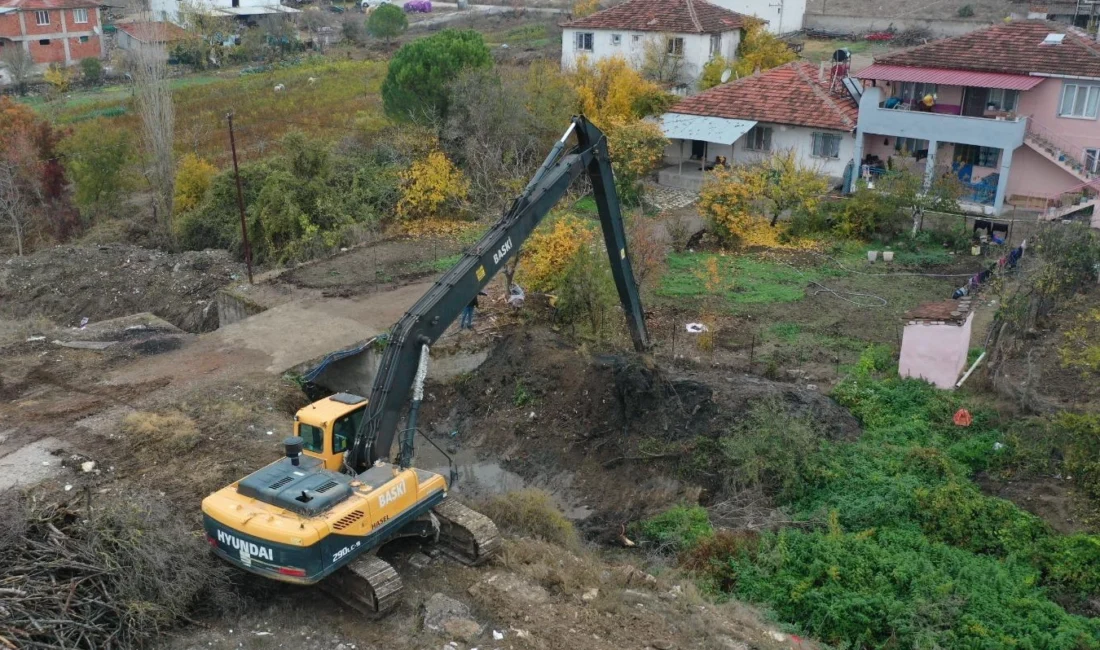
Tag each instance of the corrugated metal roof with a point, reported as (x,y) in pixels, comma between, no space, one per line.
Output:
(947,77)
(719,130)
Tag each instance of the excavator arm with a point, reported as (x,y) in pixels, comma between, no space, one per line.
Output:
(434,312)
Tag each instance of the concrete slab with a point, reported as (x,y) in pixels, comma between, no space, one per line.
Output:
(30,464)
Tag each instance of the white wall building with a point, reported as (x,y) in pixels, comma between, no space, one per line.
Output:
(794,107)
(693,31)
(783,16)
(169,10)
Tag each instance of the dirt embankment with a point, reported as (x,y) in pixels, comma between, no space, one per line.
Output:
(587,426)
(68,283)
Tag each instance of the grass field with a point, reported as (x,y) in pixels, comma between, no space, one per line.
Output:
(343,99)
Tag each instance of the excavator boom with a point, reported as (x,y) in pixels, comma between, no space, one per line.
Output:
(434,312)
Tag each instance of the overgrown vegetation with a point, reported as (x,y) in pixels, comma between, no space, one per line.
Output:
(531,512)
(912,554)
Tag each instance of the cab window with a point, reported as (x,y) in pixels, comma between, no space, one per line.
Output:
(313,438)
(343,431)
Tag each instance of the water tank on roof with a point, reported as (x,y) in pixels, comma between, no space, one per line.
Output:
(843,55)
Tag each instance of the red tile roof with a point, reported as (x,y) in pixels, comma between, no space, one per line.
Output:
(789,94)
(156,32)
(31,5)
(1015,48)
(947,311)
(673,16)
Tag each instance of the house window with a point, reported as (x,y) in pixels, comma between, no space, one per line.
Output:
(676,46)
(909,146)
(80,15)
(44,41)
(759,138)
(637,38)
(911,91)
(715,45)
(42,17)
(1079,101)
(83,39)
(1092,160)
(1003,100)
(826,145)
(969,154)
(616,39)
(584,41)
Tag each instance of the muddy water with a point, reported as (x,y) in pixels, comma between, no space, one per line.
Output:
(479,477)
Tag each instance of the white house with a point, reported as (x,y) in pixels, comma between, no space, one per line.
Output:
(796,107)
(783,16)
(170,9)
(690,31)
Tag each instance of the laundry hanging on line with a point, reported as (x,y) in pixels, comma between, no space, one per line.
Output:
(1008,261)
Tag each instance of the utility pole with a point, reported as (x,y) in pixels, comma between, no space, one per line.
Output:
(240,198)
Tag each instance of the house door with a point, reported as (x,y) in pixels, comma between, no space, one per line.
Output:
(698,149)
(974,101)
(236,3)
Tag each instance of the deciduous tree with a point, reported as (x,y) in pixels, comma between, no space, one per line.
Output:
(416,84)
(610,91)
(193,179)
(430,185)
(635,147)
(157,111)
(760,49)
(907,190)
(550,248)
(96,159)
(712,72)
(387,22)
(583,8)
(662,60)
(19,64)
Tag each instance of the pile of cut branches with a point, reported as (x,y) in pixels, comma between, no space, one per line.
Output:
(116,576)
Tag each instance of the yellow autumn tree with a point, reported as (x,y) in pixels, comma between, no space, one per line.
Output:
(59,77)
(549,250)
(635,147)
(712,72)
(729,197)
(610,91)
(582,8)
(193,178)
(430,185)
(761,49)
(1081,347)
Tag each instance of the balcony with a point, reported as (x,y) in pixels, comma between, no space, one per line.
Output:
(939,127)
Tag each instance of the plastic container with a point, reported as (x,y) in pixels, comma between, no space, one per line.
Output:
(887,256)
(872,256)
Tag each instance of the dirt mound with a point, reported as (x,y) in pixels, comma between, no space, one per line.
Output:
(612,432)
(68,283)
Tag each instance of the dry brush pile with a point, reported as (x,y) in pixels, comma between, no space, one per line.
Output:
(116,577)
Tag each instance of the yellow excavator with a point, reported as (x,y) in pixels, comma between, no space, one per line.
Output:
(320,514)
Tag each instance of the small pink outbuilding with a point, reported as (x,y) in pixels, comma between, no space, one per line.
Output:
(936,342)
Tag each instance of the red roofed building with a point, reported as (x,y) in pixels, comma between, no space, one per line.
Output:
(689,32)
(52,31)
(795,107)
(1012,110)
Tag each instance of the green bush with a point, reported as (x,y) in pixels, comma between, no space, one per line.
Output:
(92,69)
(586,292)
(1082,435)
(677,529)
(892,587)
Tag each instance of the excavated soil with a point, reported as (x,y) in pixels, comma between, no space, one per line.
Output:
(68,283)
(579,424)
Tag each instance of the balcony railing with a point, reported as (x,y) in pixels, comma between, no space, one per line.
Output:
(1058,147)
(1004,133)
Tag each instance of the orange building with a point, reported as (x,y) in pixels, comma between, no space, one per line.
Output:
(52,31)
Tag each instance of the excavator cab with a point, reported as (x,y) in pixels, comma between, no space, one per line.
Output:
(327,427)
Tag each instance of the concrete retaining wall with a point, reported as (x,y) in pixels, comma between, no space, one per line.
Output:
(355,374)
(233,307)
(854,25)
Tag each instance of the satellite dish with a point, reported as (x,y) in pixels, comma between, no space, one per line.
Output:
(726,74)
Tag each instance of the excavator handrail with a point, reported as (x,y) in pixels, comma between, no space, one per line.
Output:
(434,312)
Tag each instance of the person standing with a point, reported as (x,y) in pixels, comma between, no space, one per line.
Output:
(467,321)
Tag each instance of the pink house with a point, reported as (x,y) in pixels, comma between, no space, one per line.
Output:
(1011,110)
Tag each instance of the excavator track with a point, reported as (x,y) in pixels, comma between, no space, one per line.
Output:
(369,585)
(466,535)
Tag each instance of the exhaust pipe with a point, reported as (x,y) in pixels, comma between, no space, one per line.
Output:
(293,447)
